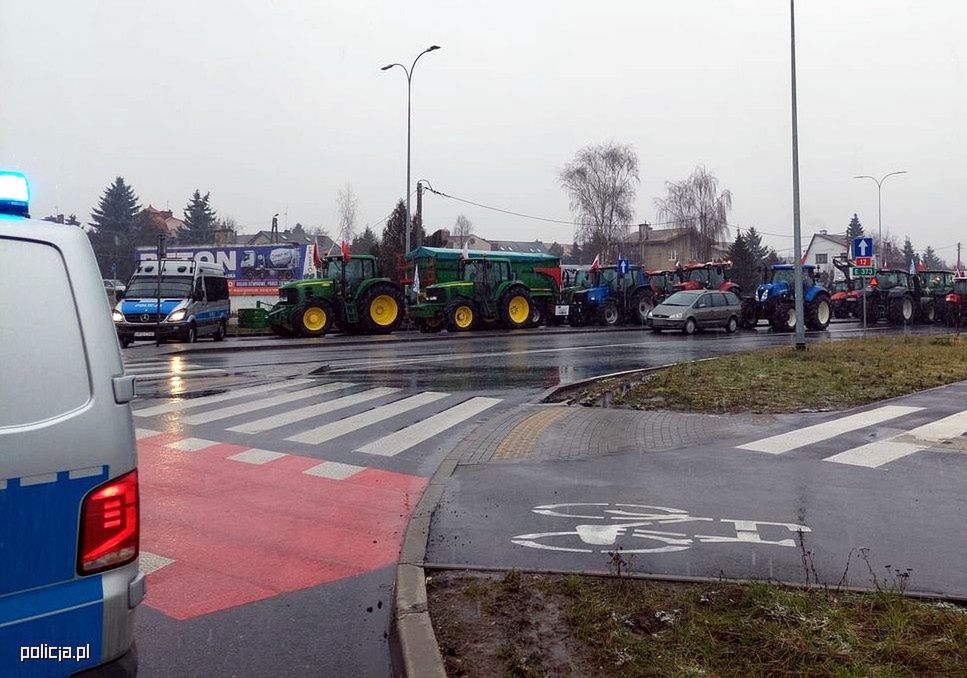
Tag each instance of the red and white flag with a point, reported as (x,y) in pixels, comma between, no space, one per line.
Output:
(316,259)
(596,264)
(345,252)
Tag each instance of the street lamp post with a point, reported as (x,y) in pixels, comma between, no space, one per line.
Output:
(879,205)
(796,230)
(409,88)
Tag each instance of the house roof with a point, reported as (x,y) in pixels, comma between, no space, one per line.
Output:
(532,247)
(658,237)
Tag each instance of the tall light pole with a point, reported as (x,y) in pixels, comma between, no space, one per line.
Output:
(409,89)
(879,204)
(796,231)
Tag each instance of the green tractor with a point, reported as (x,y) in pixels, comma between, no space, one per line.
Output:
(488,292)
(348,294)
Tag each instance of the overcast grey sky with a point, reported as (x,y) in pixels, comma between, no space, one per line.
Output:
(275,105)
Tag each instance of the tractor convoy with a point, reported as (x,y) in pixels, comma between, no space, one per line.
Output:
(446,289)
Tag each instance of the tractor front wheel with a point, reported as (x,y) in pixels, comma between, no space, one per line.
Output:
(783,317)
(818,313)
(608,314)
(901,310)
(461,316)
(641,305)
(749,314)
(381,308)
(312,319)
(515,308)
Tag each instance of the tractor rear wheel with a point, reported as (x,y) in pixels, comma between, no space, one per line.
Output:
(783,317)
(380,308)
(312,319)
(930,313)
(901,310)
(538,316)
(749,314)
(461,316)
(608,314)
(818,313)
(641,305)
(515,308)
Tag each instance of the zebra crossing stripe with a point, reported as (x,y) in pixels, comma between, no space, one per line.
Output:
(187,403)
(335,429)
(880,452)
(393,444)
(254,405)
(302,413)
(785,442)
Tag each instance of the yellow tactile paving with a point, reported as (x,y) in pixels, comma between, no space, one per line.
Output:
(520,442)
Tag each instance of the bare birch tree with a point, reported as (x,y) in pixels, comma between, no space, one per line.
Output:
(462,228)
(346,205)
(696,203)
(601,183)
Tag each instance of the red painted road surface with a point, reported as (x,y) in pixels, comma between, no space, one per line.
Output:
(239,532)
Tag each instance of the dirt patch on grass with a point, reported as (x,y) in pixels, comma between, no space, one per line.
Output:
(549,625)
(826,377)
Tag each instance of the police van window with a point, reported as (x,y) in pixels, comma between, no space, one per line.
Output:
(214,288)
(199,286)
(45,371)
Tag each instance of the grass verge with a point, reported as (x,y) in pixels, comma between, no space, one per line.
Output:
(830,375)
(549,625)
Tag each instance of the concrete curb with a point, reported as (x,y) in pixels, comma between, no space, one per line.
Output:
(413,645)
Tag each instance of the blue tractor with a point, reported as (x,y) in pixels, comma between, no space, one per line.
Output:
(610,295)
(775,302)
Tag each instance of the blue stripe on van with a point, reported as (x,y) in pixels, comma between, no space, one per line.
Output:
(68,615)
(148,306)
(39,519)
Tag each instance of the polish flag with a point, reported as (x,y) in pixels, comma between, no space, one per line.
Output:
(345,252)
(596,264)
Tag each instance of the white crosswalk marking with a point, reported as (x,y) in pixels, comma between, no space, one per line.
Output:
(252,406)
(880,452)
(406,438)
(303,413)
(785,442)
(335,429)
(148,370)
(187,403)
(255,456)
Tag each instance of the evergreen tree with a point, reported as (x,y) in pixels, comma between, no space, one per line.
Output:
(393,241)
(743,261)
(110,234)
(576,253)
(365,243)
(931,260)
(855,228)
(909,254)
(200,220)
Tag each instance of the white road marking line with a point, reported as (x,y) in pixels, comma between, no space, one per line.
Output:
(302,413)
(187,403)
(191,444)
(334,470)
(168,375)
(254,405)
(784,442)
(880,452)
(85,472)
(327,432)
(142,433)
(152,562)
(255,456)
(393,444)
(39,479)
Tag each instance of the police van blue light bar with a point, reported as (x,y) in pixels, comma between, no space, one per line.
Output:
(14,194)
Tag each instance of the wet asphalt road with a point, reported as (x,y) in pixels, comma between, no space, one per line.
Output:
(337,623)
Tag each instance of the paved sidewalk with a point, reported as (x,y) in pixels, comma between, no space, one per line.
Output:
(549,432)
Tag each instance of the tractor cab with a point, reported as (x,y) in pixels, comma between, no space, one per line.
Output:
(359,267)
(663,282)
(708,276)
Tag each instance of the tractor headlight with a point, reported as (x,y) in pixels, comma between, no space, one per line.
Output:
(117,316)
(177,316)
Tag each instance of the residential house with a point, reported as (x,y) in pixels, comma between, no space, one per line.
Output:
(296,235)
(823,248)
(164,221)
(664,248)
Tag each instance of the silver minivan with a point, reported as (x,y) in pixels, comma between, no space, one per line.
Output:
(69,510)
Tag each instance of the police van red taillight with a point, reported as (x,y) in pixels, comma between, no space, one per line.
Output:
(109,525)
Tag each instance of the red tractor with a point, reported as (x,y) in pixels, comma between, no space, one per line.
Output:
(714,275)
(955,304)
(845,298)
(663,282)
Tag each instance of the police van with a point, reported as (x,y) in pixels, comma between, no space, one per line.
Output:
(190,298)
(69,512)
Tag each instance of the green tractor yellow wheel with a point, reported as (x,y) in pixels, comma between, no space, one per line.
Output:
(461,316)
(312,319)
(381,308)
(515,308)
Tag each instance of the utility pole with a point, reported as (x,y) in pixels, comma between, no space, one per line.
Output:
(959,265)
(796,230)
(418,221)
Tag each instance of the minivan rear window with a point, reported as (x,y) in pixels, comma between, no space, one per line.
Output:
(42,357)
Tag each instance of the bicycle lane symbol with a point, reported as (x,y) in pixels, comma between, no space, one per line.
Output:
(631,524)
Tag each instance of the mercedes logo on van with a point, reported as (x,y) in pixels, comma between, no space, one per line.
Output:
(144,317)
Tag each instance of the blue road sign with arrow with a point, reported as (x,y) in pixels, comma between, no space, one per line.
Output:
(862,247)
